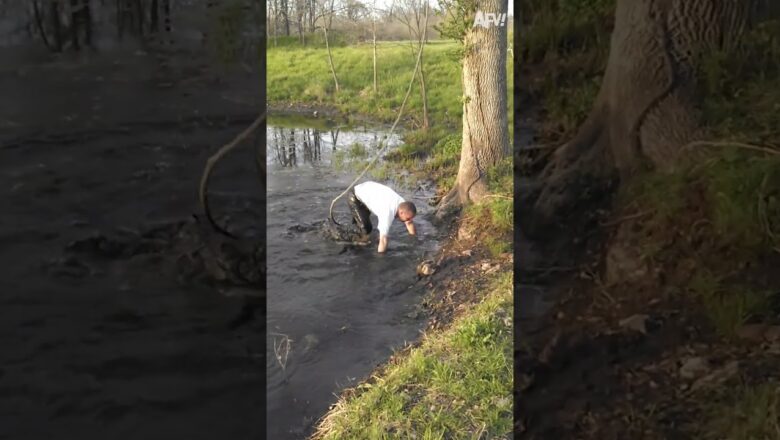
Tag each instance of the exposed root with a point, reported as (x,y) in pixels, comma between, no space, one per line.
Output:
(578,172)
(212,162)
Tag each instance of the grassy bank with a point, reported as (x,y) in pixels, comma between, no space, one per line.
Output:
(455,384)
(302,75)
(435,156)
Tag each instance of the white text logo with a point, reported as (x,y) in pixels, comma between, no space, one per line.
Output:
(487,19)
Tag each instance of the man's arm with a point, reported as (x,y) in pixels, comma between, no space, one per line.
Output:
(382,243)
(410,228)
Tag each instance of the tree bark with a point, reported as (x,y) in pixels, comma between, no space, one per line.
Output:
(166,10)
(300,11)
(86,14)
(139,16)
(56,25)
(74,24)
(485,138)
(39,24)
(120,18)
(285,17)
(154,17)
(373,34)
(646,108)
(423,95)
(312,15)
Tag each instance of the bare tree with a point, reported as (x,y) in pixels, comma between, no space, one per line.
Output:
(411,13)
(301,11)
(54,8)
(284,9)
(39,24)
(154,16)
(328,16)
(373,42)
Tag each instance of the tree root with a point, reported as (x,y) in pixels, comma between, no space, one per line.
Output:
(742,145)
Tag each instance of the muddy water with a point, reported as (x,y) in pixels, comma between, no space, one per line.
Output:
(98,346)
(344,311)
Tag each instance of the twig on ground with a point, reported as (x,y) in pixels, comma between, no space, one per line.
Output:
(626,218)
(742,145)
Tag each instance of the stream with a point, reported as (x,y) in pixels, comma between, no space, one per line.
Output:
(341,310)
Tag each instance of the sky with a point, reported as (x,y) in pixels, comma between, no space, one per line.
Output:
(385,4)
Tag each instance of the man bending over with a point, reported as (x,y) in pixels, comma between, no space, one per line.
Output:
(385,204)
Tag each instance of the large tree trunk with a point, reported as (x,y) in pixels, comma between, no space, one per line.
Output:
(485,123)
(645,110)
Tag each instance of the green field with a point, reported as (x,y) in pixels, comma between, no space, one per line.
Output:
(302,75)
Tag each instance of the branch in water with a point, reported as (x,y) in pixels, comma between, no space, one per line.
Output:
(212,162)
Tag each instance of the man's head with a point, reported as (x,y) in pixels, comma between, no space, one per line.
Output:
(406,211)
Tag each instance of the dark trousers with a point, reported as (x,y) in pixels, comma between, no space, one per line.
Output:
(361,216)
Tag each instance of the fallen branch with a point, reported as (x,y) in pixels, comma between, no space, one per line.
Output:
(212,162)
(497,196)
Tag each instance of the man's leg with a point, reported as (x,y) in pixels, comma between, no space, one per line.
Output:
(361,215)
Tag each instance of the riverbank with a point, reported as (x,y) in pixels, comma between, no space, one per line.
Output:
(431,386)
(456,381)
(666,323)
(468,304)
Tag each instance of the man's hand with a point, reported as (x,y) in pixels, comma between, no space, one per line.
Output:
(410,227)
(382,244)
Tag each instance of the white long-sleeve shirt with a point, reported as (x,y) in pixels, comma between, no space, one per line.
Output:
(381,201)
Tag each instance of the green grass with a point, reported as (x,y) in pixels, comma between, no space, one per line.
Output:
(457,384)
(728,306)
(753,414)
(563,26)
(302,75)
(567,43)
(723,215)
